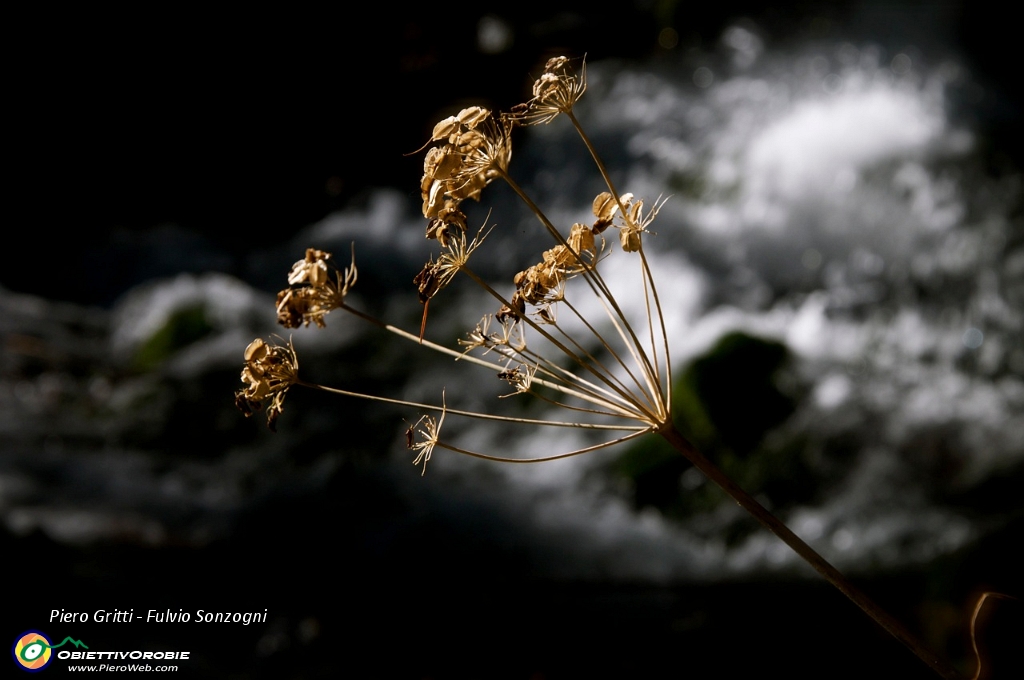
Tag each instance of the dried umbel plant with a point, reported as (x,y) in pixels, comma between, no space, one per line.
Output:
(612,374)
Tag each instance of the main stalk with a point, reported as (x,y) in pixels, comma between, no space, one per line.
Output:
(820,564)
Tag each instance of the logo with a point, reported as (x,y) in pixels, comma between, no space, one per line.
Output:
(33,651)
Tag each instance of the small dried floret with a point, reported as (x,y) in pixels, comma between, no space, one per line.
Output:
(268,373)
(581,240)
(633,222)
(511,312)
(469,118)
(636,222)
(556,91)
(428,280)
(449,221)
(520,377)
(509,341)
(429,429)
(478,337)
(544,282)
(312,269)
(436,275)
(314,292)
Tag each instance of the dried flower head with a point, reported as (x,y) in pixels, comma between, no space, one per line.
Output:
(475,149)
(450,222)
(435,275)
(630,213)
(268,373)
(544,282)
(556,91)
(317,287)
(519,377)
(428,433)
(508,340)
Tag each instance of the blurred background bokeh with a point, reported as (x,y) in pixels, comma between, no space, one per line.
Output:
(842,261)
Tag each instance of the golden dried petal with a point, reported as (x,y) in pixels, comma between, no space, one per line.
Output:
(555,63)
(445,128)
(433,200)
(630,240)
(317,275)
(581,239)
(473,116)
(605,206)
(256,351)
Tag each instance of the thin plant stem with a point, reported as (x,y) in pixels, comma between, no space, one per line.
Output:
(665,332)
(462,356)
(625,215)
(820,564)
(568,407)
(547,367)
(558,456)
(974,622)
(608,348)
(474,414)
(590,274)
(626,396)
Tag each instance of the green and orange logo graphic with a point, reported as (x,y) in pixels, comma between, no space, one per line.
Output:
(33,651)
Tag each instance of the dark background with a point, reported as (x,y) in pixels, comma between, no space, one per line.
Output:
(244,128)
(241,129)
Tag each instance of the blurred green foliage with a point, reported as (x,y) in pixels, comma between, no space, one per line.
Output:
(184,327)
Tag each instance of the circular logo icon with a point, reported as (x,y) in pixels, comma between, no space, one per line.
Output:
(32,651)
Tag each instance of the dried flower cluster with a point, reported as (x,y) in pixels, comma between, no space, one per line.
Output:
(467,152)
(475,148)
(555,92)
(317,287)
(269,371)
(633,220)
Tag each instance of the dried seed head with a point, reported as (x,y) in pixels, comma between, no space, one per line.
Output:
(509,340)
(520,377)
(427,429)
(436,275)
(428,280)
(631,223)
(544,283)
(268,373)
(556,91)
(317,287)
(475,148)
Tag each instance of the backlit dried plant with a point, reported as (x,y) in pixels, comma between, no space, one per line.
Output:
(611,374)
(269,371)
